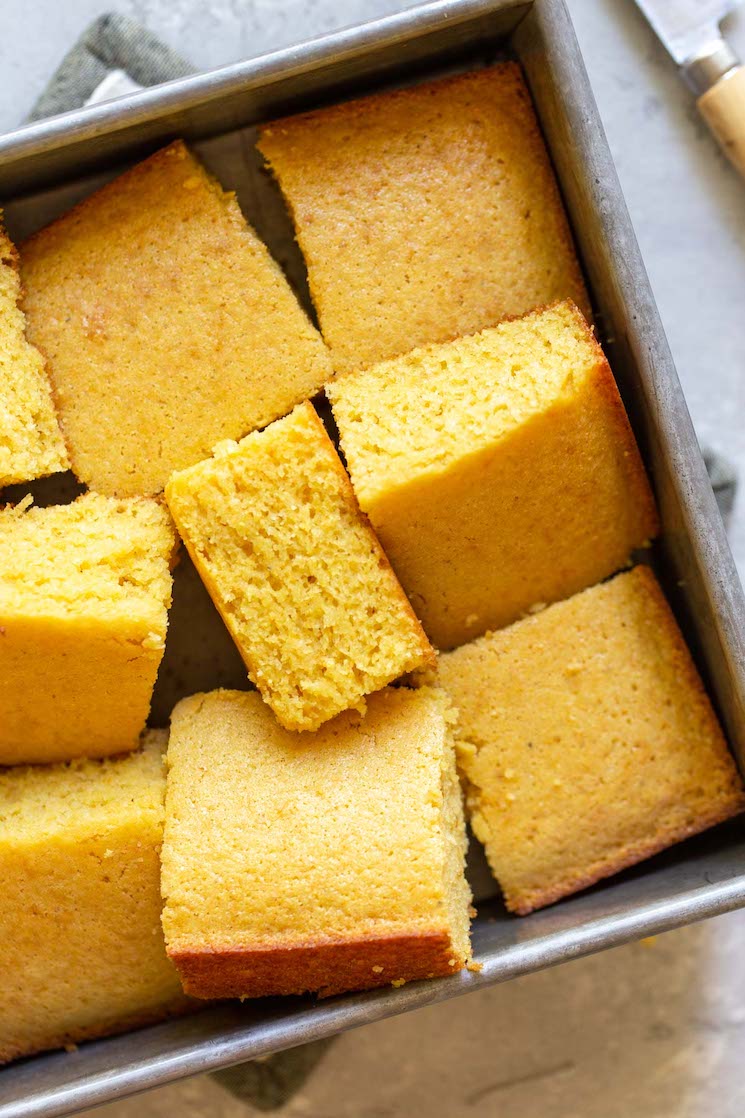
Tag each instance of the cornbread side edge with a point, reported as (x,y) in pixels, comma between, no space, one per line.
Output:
(84,595)
(499,470)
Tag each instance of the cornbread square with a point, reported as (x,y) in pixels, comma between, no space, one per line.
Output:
(588,741)
(302,584)
(499,470)
(166,324)
(425,213)
(332,861)
(31,445)
(83,950)
(84,596)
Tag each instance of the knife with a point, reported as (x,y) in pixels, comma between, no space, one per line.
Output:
(689,30)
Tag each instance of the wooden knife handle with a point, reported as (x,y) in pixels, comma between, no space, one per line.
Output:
(723,109)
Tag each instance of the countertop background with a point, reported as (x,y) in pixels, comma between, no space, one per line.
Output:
(653,1030)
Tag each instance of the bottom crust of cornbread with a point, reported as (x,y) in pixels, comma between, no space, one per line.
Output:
(356,965)
(322,862)
(73,1037)
(632,856)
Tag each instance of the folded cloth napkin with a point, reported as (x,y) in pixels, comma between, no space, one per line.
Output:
(116,55)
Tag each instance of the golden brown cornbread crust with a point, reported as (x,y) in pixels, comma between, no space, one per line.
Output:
(525,903)
(358,964)
(157,281)
(631,767)
(390,196)
(178,1008)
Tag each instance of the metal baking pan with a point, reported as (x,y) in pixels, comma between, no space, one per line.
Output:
(47,166)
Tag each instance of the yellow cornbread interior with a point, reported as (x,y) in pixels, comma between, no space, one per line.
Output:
(420,413)
(84,596)
(498,470)
(97,557)
(83,950)
(31,445)
(351,832)
(424,213)
(166,324)
(588,741)
(295,570)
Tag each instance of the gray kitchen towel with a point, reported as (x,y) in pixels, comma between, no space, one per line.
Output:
(113,56)
(112,47)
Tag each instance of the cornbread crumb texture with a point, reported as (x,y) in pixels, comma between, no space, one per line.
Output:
(83,951)
(166,324)
(84,596)
(297,573)
(31,445)
(588,741)
(498,470)
(332,860)
(425,213)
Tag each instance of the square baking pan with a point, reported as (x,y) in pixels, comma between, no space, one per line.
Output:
(47,166)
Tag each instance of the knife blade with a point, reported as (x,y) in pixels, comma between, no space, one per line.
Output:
(690,32)
(686,28)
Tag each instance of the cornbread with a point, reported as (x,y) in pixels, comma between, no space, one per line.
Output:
(84,594)
(296,572)
(588,741)
(83,951)
(31,445)
(425,213)
(332,861)
(166,324)
(499,470)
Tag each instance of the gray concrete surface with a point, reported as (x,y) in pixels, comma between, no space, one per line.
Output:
(649,1031)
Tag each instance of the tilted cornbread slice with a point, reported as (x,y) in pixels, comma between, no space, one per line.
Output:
(424,213)
(499,470)
(332,861)
(588,741)
(84,596)
(83,952)
(296,571)
(31,445)
(166,324)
